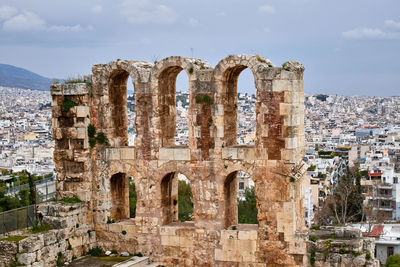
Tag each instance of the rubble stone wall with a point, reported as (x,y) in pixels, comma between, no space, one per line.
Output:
(71,236)
(341,246)
(210,161)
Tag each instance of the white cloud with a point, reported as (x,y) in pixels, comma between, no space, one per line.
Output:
(193,22)
(7,12)
(145,11)
(266,9)
(97,9)
(28,21)
(369,34)
(62,28)
(391,24)
(25,21)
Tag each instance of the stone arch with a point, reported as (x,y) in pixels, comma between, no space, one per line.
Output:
(226,74)
(112,81)
(164,75)
(119,191)
(167,181)
(174,167)
(230,196)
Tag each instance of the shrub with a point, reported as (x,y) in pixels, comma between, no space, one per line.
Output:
(368,256)
(91,130)
(13,238)
(96,252)
(393,261)
(113,251)
(38,228)
(67,104)
(72,200)
(315,227)
(60,259)
(312,257)
(313,238)
(123,232)
(138,254)
(101,138)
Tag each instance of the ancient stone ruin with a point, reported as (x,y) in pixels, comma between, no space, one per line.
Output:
(97,169)
(95,163)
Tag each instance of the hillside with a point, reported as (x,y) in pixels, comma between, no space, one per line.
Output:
(11,76)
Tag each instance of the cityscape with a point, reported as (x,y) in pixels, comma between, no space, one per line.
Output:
(343,134)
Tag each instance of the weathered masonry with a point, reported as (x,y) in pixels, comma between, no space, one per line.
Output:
(97,170)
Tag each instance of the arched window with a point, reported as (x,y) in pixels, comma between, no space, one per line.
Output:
(119,186)
(239,106)
(176,198)
(182,110)
(246,109)
(170,125)
(122,103)
(132,133)
(240,201)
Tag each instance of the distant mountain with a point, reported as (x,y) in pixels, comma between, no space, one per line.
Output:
(11,76)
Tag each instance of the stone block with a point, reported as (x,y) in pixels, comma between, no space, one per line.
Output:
(81,133)
(165,154)
(166,230)
(281,85)
(31,244)
(229,153)
(181,154)
(128,153)
(75,241)
(220,131)
(50,237)
(26,258)
(247,235)
(168,240)
(219,110)
(82,111)
(229,234)
(185,242)
(113,154)
(247,245)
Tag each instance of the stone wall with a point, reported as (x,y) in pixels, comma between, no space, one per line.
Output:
(72,235)
(341,246)
(211,160)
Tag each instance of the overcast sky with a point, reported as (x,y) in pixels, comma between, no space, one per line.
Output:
(347,47)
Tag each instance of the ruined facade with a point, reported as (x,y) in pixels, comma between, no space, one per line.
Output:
(95,164)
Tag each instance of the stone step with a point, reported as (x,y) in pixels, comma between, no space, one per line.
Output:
(134,262)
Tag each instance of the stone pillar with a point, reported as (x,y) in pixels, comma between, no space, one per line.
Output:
(70,111)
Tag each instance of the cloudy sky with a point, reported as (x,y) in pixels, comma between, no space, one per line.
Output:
(347,47)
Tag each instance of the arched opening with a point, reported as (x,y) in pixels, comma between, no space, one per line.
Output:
(176,199)
(239,110)
(170,124)
(119,185)
(131,113)
(122,103)
(240,201)
(182,110)
(246,109)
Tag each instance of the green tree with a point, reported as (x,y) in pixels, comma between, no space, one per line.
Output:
(132,199)
(32,190)
(185,201)
(393,261)
(247,208)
